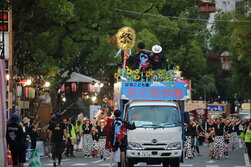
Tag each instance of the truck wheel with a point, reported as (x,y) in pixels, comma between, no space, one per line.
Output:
(129,163)
(174,162)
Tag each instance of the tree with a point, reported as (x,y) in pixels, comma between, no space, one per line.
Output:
(235,37)
(51,37)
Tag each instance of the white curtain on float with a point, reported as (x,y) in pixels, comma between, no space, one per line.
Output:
(3,145)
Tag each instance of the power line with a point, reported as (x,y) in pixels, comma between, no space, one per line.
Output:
(182,18)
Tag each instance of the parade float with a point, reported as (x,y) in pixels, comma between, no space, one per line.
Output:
(155,99)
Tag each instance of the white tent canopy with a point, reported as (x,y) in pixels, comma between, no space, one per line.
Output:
(77,77)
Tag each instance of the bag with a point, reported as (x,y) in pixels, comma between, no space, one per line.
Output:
(35,159)
(117,156)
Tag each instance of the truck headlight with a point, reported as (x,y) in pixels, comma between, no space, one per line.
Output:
(134,146)
(174,146)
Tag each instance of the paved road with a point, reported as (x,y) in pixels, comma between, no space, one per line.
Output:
(236,159)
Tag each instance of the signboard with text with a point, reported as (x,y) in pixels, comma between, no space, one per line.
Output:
(179,90)
(195,104)
(217,108)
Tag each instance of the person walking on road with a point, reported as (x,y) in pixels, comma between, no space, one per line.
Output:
(118,136)
(247,138)
(103,152)
(72,138)
(16,141)
(57,133)
(188,141)
(87,138)
(219,144)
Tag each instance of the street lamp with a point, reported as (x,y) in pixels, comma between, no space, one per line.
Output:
(28,82)
(63,99)
(96,85)
(47,84)
(94,98)
(7,77)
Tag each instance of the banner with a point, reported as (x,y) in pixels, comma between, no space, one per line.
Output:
(216,108)
(179,90)
(3,145)
(193,105)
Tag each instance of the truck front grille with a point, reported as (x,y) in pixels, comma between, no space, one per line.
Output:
(154,149)
(151,144)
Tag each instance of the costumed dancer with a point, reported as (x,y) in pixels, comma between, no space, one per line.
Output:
(234,135)
(219,145)
(210,139)
(227,137)
(226,140)
(95,145)
(104,153)
(87,138)
(142,57)
(188,141)
(157,59)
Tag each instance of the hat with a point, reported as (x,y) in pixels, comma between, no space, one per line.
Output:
(86,119)
(15,118)
(26,120)
(102,120)
(156,49)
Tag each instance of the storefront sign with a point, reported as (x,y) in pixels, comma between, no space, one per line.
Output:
(193,105)
(218,108)
(245,106)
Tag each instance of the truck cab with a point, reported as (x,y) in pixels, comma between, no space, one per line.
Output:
(158,136)
(159,120)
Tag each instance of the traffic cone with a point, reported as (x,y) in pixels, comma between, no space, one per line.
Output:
(10,161)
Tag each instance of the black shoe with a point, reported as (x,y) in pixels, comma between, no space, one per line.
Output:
(54,164)
(101,156)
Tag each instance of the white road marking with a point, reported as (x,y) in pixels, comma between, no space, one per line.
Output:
(212,165)
(105,165)
(210,161)
(94,162)
(246,159)
(63,160)
(80,164)
(186,165)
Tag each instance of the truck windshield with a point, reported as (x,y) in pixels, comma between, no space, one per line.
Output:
(154,116)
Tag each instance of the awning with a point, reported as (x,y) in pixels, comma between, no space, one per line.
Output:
(77,77)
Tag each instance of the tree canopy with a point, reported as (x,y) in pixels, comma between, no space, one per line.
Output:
(51,37)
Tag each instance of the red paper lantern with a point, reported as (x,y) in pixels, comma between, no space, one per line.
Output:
(91,88)
(62,89)
(73,87)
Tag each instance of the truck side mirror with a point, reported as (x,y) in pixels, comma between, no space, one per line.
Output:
(186,117)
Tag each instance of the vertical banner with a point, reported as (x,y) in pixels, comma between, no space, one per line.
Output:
(3,145)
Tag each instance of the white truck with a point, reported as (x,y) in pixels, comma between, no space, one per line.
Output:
(159,122)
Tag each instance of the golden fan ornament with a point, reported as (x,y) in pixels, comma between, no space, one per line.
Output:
(126,38)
